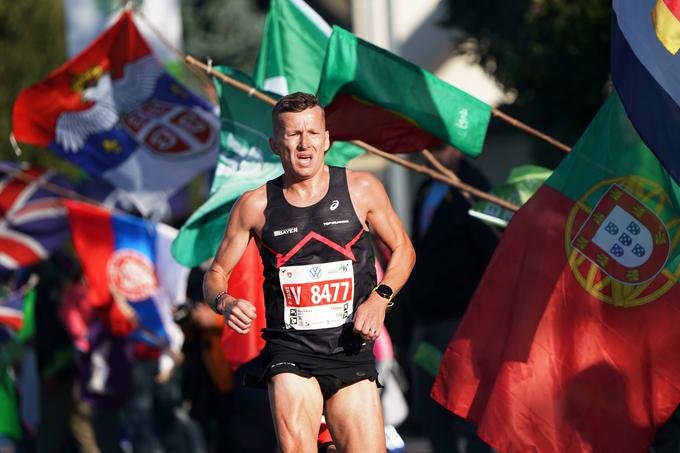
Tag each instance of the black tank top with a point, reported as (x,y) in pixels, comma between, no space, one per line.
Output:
(319,267)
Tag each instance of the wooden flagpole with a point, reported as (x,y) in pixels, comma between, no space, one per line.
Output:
(365,146)
(193,62)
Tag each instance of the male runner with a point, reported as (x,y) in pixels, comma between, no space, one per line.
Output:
(324,307)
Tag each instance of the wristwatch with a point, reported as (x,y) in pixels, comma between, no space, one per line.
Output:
(384,291)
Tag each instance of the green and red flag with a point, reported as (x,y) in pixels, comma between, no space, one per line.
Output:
(570,341)
(245,163)
(374,96)
(291,57)
(292,50)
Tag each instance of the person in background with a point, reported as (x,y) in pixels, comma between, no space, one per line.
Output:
(207,378)
(453,250)
(64,420)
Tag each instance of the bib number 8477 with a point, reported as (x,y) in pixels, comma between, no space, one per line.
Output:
(311,294)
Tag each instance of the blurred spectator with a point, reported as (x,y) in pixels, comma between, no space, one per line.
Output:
(207,378)
(64,420)
(154,415)
(452,252)
(234,417)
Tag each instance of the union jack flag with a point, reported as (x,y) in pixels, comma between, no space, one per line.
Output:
(33,221)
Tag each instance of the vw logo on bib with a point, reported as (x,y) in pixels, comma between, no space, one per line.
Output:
(315,272)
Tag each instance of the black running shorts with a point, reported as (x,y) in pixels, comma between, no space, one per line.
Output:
(331,371)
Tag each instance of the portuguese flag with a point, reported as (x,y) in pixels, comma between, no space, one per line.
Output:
(372,95)
(571,341)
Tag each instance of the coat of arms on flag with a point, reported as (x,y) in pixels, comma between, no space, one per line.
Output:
(623,238)
(32,219)
(115,112)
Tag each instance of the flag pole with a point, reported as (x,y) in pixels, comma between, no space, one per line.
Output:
(455,182)
(191,61)
(529,130)
(442,169)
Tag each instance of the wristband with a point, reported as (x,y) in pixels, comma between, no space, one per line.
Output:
(216,301)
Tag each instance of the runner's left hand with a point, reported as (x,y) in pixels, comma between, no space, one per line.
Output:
(369,317)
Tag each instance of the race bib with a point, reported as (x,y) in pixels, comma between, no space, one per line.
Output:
(317,296)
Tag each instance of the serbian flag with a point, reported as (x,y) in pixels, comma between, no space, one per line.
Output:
(372,95)
(646,72)
(114,111)
(570,343)
(246,282)
(132,256)
(32,219)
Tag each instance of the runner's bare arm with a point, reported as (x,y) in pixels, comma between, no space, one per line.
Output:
(372,204)
(245,221)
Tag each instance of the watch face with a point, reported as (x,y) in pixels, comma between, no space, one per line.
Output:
(384,291)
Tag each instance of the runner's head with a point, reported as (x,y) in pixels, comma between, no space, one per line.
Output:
(300,137)
(294,103)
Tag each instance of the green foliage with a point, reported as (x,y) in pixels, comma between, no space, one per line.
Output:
(554,53)
(32,44)
(229,32)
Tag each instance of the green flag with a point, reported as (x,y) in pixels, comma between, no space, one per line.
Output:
(522,183)
(291,56)
(245,163)
(10,423)
(292,50)
(375,96)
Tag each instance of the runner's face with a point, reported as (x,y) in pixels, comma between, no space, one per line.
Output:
(301,140)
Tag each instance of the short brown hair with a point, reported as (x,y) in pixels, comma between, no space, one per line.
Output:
(294,102)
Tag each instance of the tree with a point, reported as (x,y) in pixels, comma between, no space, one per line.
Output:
(554,53)
(32,44)
(229,32)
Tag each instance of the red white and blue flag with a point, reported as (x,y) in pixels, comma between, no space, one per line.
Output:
(15,307)
(646,72)
(131,256)
(115,112)
(32,219)
(12,310)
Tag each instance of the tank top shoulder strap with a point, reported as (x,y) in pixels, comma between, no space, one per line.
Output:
(274,193)
(338,179)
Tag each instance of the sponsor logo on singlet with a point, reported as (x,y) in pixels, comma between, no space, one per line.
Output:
(285,231)
(335,222)
(334,205)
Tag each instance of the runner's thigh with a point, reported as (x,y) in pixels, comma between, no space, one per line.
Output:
(297,406)
(354,416)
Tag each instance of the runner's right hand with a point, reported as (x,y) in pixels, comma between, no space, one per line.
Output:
(239,315)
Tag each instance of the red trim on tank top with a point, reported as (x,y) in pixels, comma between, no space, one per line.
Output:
(346,250)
